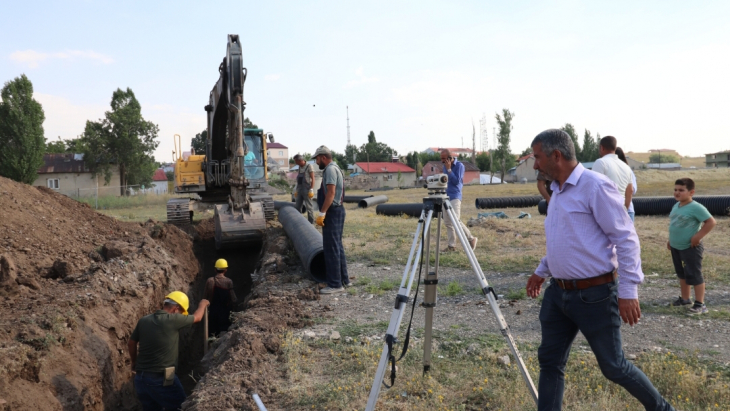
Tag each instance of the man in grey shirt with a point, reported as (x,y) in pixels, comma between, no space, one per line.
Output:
(304,191)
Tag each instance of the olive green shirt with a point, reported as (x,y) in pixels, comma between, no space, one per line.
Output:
(158,336)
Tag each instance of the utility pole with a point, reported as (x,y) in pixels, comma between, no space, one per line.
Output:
(473,143)
(354,153)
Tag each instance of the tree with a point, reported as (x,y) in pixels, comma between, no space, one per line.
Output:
(248,124)
(124,139)
(568,128)
(21,131)
(339,159)
(526,152)
(55,147)
(374,151)
(483,161)
(663,158)
(170,175)
(371,137)
(199,142)
(590,148)
(502,155)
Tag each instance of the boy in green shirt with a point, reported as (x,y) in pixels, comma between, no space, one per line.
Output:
(689,222)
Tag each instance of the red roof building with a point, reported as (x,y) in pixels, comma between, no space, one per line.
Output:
(391,174)
(159,175)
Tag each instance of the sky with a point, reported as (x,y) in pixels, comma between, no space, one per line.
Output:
(654,74)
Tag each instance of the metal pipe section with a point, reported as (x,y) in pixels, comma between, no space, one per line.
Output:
(506,202)
(409,209)
(307,242)
(258,402)
(355,199)
(371,201)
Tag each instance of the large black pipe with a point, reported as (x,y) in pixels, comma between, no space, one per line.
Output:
(542,207)
(409,209)
(716,205)
(371,201)
(279,204)
(504,202)
(356,199)
(307,242)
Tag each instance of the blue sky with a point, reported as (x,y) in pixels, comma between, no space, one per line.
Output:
(652,73)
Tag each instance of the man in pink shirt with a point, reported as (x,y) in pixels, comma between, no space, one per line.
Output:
(589,235)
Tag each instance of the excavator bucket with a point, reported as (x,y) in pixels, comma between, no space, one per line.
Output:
(240,227)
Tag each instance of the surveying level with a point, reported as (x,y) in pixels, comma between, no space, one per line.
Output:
(437,205)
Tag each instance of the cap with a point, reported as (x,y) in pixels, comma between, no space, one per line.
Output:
(321,150)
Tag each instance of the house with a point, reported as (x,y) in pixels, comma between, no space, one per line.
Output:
(523,171)
(67,174)
(635,165)
(471,172)
(718,160)
(278,154)
(456,152)
(159,182)
(389,174)
(664,166)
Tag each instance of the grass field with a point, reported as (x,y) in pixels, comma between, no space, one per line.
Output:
(686,162)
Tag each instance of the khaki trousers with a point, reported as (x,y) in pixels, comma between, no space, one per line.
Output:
(450,226)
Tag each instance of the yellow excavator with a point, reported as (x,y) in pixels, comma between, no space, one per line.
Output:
(232,173)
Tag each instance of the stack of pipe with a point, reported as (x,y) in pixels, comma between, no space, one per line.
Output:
(716,205)
(355,199)
(505,202)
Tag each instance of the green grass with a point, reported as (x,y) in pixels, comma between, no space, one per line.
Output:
(452,289)
(518,294)
(381,287)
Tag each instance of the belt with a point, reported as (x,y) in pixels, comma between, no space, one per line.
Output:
(151,374)
(586,282)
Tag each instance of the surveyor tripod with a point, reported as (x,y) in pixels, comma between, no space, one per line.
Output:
(436,205)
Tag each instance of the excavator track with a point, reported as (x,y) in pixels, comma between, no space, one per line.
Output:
(179,212)
(267,202)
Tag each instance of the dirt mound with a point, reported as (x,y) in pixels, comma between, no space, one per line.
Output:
(72,285)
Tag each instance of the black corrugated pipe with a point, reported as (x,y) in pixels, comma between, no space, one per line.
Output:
(355,199)
(542,207)
(279,204)
(716,205)
(409,209)
(307,241)
(504,202)
(371,201)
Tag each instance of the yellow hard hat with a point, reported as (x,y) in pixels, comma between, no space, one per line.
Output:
(221,264)
(181,299)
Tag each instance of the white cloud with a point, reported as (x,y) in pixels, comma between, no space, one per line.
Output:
(361,79)
(33,59)
(271,77)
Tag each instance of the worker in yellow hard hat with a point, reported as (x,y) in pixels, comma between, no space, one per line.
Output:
(219,290)
(157,336)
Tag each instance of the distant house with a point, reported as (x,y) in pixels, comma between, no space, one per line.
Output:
(159,182)
(523,171)
(68,174)
(471,172)
(718,160)
(278,154)
(387,173)
(455,151)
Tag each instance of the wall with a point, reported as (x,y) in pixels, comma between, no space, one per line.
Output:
(524,170)
(407,179)
(281,160)
(81,184)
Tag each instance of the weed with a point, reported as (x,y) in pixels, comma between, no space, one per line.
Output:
(453,288)
(518,294)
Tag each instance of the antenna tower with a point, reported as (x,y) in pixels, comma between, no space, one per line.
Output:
(483,139)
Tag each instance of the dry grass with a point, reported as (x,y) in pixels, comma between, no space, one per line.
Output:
(477,380)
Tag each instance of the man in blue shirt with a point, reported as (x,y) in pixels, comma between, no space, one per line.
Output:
(455,170)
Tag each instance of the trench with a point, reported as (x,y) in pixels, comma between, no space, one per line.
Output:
(242,262)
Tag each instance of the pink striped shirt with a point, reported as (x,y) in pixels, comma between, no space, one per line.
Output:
(589,233)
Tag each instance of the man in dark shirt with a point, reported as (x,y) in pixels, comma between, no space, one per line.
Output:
(158,335)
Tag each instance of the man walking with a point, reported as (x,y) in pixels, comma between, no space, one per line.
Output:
(304,191)
(455,170)
(616,170)
(331,218)
(155,363)
(588,234)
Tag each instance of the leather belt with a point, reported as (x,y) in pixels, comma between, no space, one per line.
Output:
(586,282)
(151,374)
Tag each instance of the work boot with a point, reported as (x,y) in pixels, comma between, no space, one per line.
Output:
(449,249)
(330,290)
(473,243)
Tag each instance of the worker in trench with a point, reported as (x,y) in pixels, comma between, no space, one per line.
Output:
(219,291)
(153,350)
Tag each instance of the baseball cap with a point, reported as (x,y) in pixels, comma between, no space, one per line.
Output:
(321,150)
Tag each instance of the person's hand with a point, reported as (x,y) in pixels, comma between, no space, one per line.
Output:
(695,241)
(669,247)
(447,162)
(534,285)
(204,302)
(320,219)
(311,193)
(629,310)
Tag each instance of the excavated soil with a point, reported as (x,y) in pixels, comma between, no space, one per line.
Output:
(72,285)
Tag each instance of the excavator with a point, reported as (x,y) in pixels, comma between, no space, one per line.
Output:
(232,173)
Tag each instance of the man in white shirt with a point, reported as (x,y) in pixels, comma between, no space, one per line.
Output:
(616,170)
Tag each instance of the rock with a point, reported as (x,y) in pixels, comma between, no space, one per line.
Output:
(28,282)
(309,335)
(115,249)
(504,360)
(96,256)
(631,356)
(335,336)
(8,274)
(473,348)
(60,269)
(519,312)
(348,339)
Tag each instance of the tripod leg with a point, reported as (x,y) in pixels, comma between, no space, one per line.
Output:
(429,299)
(491,298)
(400,307)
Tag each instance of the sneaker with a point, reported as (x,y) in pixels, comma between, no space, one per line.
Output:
(680,302)
(448,249)
(473,243)
(346,285)
(697,309)
(330,290)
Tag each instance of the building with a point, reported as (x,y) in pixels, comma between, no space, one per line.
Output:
(389,174)
(635,165)
(664,166)
(718,160)
(471,172)
(524,170)
(68,174)
(278,154)
(456,152)
(159,182)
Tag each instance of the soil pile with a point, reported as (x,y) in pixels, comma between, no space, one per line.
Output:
(72,285)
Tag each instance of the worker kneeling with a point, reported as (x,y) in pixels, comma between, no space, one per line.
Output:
(219,291)
(155,361)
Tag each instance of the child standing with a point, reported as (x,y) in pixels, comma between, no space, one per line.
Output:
(689,222)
